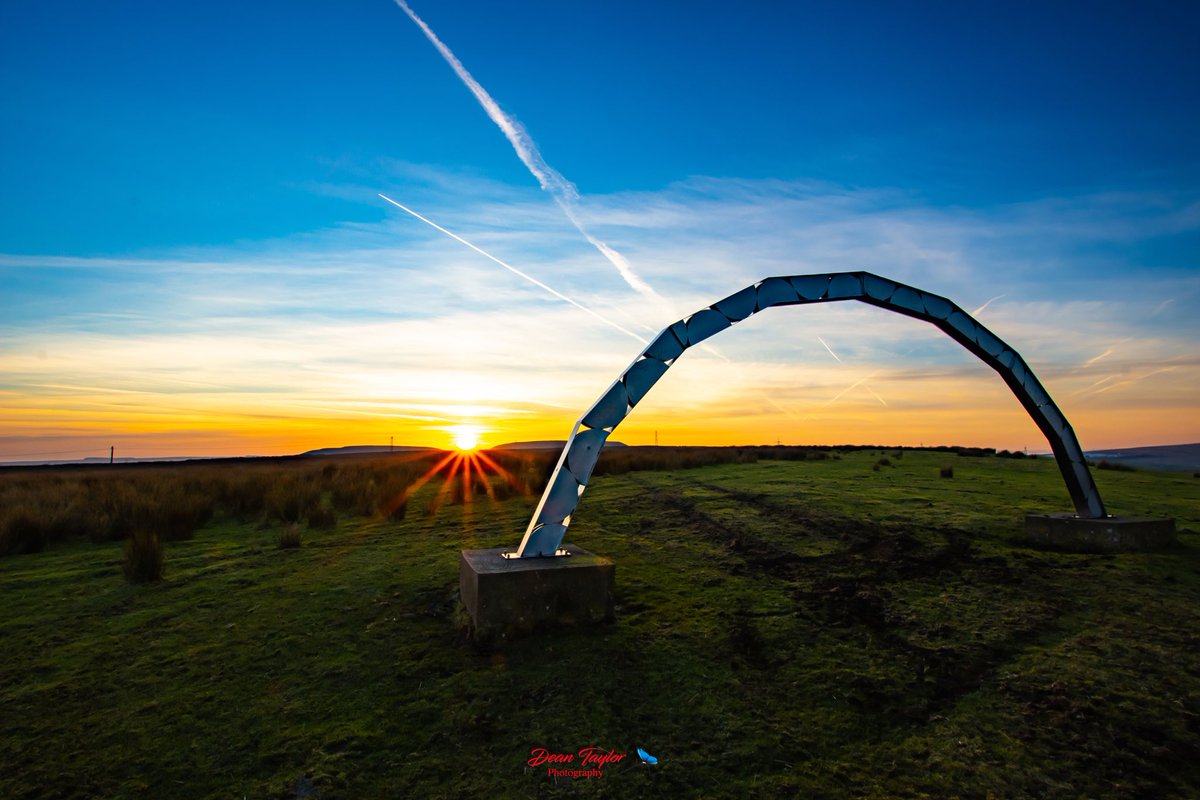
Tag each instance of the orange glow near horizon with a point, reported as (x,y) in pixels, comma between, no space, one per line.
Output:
(701,402)
(1001,424)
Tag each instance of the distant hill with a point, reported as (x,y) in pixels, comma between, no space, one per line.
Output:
(364,450)
(374,449)
(543,445)
(324,452)
(98,460)
(1170,457)
(548,444)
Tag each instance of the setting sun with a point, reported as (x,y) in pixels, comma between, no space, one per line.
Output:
(466,437)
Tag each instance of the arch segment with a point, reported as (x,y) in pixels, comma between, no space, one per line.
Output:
(570,477)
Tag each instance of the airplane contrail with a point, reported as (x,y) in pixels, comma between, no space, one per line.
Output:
(514,270)
(827,347)
(1090,387)
(981,309)
(838,396)
(551,180)
(855,385)
(558,294)
(864,383)
(874,394)
(1092,361)
(1158,309)
(1134,379)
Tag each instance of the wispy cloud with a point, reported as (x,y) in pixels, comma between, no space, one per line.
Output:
(1162,306)
(362,331)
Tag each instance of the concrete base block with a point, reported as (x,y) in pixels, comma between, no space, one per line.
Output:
(510,597)
(1107,535)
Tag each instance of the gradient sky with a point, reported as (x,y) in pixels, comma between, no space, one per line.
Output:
(194,259)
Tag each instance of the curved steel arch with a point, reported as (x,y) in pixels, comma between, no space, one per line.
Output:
(563,492)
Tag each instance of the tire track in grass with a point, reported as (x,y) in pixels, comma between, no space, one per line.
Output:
(861,588)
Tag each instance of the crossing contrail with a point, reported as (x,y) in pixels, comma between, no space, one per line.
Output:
(514,270)
(551,180)
(874,393)
(864,383)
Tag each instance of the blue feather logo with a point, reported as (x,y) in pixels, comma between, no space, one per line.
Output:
(646,757)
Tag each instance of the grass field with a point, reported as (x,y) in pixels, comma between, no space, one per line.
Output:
(815,628)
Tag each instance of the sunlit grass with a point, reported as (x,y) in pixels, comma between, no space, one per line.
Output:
(812,628)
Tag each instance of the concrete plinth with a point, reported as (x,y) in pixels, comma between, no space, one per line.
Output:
(510,597)
(1106,535)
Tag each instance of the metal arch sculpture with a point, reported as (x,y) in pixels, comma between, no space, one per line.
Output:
(549,523)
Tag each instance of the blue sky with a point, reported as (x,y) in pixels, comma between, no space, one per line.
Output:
(187,181)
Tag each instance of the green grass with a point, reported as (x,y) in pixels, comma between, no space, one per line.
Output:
(784,629)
